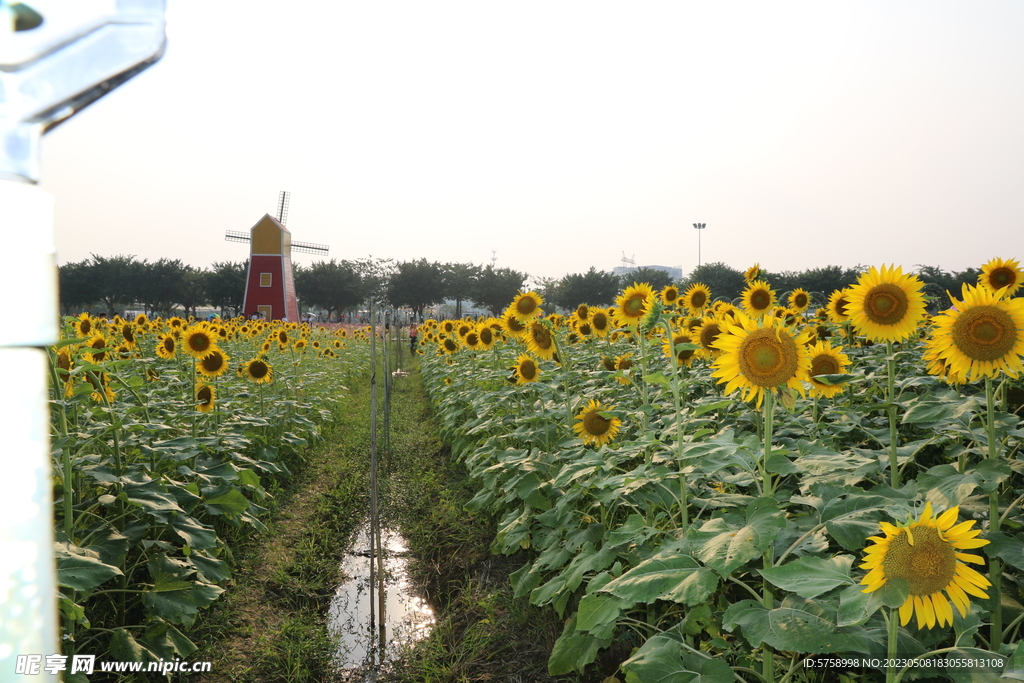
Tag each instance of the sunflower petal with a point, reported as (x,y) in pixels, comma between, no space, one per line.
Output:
(948,518)
(906,610)
(943,612)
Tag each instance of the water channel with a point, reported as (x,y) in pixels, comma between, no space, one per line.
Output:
(363,645)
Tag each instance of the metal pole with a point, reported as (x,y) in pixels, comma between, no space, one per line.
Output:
(373,475)
(699,227)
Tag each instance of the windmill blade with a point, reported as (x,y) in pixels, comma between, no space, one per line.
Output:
(310,248)
(235,236)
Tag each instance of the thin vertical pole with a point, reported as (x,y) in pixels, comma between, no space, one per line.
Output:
(374,549)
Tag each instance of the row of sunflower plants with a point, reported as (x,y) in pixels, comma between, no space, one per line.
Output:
(718,491)
(169,438)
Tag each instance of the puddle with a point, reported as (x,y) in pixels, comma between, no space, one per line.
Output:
(407,616)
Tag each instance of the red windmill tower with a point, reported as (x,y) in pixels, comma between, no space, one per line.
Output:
(269,284)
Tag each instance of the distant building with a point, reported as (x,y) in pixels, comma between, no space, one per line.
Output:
(676,273)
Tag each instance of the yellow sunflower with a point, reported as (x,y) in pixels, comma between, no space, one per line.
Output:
(799,300)
(97,344)
(471,339)
(886,305)
(166,345)
(582,312)
(697,298)
(206,398)
(925,554)
(600,322)
(707,334)
(669,295)
(100,382)
(633,304)
(826,360)
(84,325)
(257,371)
(526,369)
(839,306)
(526,306)
(198,340)
(760,355)
(998,273)
(981,336)
(624,363)
(682,356)
(485,336)
(64,365)
(540,341)
(753,273)
(594,428)
(758,298)
(213,364)
(511,325)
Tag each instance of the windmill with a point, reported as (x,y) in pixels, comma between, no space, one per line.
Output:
(270,284)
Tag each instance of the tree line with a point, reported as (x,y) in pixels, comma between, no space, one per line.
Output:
(117,283)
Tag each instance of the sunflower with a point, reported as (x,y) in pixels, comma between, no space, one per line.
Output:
(100,382)
(595,428)
(526,306)
(624,363)
(839,306)
(998,273)
(472,339)
(760,355)
(632,305)
(83,325)
(826,360)
(213,364)
(166,345)
(682,356)
(97,344)
(176,324)
(485,336)
(206,398)
(582,312)
(64,365)
(257,371)
(799,300)
(753,273)
(670,295)
(981,336)
(697,298)
(540,341)
(447,346)
(511,325)
(758,298)
(526,369)
(600,322)
(886,305)
(925,554)
(198,340)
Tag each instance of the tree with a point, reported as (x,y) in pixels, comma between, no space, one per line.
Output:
(192,293)
(416,284)
(162,284)
(77,286)
(225,286)
(459,279)
(497,287)
(331,286)
(657,279)
(595,287)
(939,284)
(724,281)
(116,279)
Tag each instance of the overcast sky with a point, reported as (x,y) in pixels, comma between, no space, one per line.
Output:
(562,135)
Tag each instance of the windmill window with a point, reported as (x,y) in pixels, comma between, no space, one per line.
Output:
(266,279)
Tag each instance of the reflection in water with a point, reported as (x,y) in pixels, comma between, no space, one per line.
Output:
(408,617)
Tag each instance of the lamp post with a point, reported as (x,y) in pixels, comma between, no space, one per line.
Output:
(698,227)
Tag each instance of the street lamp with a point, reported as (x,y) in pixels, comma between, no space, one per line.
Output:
(698,227)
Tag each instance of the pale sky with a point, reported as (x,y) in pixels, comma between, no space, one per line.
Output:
(562,134)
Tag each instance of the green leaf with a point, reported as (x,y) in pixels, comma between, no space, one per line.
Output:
(832,380)
(851,519)
(573,650)
(946,487)
(779,463)
(811,576)
(666,576)
(968,672)
(124,648)
(225,500)
(894,593)
(661,659)
(709,407)
(797,625)
(856,606)
(1010,549)
(598,613)
(657,378)
(81,569)
(193,533)
(725,548)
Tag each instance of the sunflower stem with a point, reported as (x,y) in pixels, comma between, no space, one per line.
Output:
(892,621)
(768,665)
(890,396)
(995,571)
(769,420)
(677,400)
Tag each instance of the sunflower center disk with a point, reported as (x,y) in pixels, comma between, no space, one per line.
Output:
(767,360)
(698,300)
(1001,277)
(760,300)
(886,304)
(595,424)
(928,566)
(634,306)
(824,365)
(985,333)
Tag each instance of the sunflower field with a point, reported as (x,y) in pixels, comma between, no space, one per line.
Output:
(169,438)
(786,487)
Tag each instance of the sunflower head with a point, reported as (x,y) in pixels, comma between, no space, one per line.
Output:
(671,345)
(511,325)
(754,272)
(926,554)
(760,355)
(540,340)
(213,364)
(595,426)
(258,371)
(826,360)
(526,369)
(799,300)
(758,298)
(697,298)
(206,398)
(839,306)
(980,336)
(526,306)
(886,305)
(600,322)
(669,295)
(198,340)
(632,305)
(998,274)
